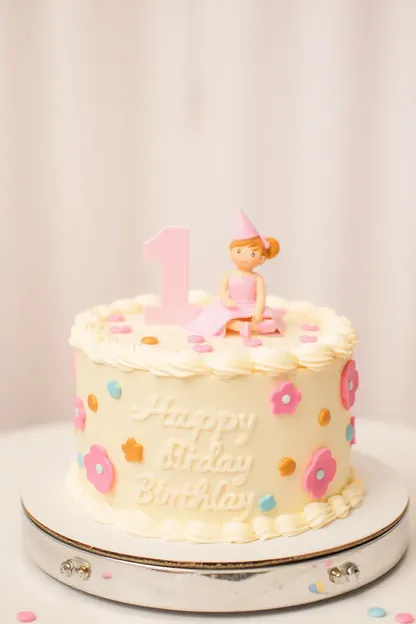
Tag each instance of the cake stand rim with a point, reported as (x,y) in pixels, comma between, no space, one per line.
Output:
(207,565)
(278,586)
(380,478)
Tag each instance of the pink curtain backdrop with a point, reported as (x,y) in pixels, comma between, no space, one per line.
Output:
(117,118)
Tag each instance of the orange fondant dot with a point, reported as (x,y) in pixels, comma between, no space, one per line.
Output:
(324,417)
(149,340)
(287,467)
(133,451)
(92,402)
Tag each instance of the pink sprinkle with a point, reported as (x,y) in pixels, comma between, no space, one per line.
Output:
(121,329)
(115,318)
(314,565)
(308,338)
(107,575)
(252,342)
(307,327)
(404,618)
(329,563)
(26,616)
(203,348)
(196,339)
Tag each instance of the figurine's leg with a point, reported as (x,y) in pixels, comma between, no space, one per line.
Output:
(236,325)
(267,326)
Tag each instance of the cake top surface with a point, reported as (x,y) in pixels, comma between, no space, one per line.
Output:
(241,331)
(117,335)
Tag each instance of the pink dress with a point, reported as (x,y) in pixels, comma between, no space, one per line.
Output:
(242,289)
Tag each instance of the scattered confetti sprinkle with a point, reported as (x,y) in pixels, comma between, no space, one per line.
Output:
(92,402)
(404,618)
(287,467)
(121,329)
(115,318)
(324,417)
(267,503)
(309,327)
(149,340)
(349,433)
(316,588)
(308,338)
(203,348)
(26,616)
(194,339)
(376,612)
(252,342)
(107,576)
(114,389)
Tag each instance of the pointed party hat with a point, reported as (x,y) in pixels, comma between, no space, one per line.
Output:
(244,229)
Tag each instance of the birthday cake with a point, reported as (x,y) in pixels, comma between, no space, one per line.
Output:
(214,418)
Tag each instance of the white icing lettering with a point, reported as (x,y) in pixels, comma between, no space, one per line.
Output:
(153,410)
(247,423)
(145,494)
(200,495)
(200,421)
(183,456)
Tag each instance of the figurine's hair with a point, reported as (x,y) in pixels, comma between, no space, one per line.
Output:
(257,243)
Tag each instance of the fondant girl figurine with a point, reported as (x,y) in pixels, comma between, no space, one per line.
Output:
(241,307)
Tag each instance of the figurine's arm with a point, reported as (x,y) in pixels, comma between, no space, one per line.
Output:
(224,296)
(260,300)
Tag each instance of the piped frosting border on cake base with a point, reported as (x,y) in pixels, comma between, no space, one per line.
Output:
(135,522)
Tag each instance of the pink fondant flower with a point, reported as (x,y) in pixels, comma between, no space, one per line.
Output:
(285,398)
(100,470)
(319,474)
(349,384)
(79,414)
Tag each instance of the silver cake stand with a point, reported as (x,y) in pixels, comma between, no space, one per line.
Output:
(282,572)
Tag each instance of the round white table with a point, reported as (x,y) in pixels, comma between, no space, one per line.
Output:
(24,587)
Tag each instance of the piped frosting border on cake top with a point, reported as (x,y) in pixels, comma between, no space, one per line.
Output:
(336,340)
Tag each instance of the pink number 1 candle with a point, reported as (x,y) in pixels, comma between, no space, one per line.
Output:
(171,247)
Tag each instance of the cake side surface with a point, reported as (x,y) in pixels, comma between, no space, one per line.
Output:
(231,444)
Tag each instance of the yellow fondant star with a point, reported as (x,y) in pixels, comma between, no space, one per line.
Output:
(133,451)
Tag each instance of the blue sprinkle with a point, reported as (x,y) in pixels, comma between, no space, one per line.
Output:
(267,503)
(313,588)
(349,434)
(377,612)
(80,459)
(114,389)
(99,469)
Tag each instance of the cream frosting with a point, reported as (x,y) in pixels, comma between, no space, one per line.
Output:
(174,356)
(315,515)
(211,450)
